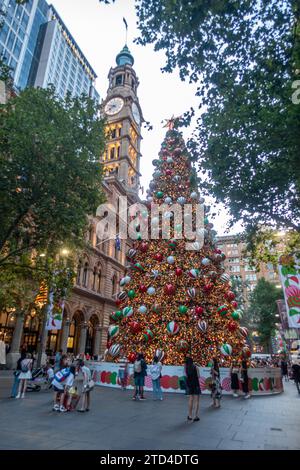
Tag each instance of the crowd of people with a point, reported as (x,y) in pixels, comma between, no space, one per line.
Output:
(68,376)
(63,371)
(238,372)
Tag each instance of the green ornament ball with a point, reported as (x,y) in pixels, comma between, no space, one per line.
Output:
(131,294)
(159,194)
(182,309)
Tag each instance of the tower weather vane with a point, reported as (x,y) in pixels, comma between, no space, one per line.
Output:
(172,122)
(126,27)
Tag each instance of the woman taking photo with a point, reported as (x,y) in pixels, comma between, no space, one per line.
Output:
(192,388)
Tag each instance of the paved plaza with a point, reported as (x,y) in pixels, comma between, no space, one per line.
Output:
(116,422)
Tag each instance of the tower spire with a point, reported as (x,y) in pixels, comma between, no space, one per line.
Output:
(126,30)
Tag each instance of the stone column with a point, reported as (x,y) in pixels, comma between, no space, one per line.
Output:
(14,354)
(65,335)
(82,340)
(97,341)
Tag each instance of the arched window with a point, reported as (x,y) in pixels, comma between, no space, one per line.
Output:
(119,80)
(85,275)
(99,281)
(78,273)
(112,153)
(114,284)
(94,278)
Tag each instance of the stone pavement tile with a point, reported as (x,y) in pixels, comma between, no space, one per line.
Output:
(200,443)
(273,447)
(227,444)
(290,443)
(252,446)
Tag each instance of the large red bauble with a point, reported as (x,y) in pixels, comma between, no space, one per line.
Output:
(144,247)
(159,257)
(169,172)
(230,295)
(118,302)
(143,288)
(135,327)
(178,272)
(234,304)
(208,287)
(199,310)
(170,289)
(232,326)
(131,357)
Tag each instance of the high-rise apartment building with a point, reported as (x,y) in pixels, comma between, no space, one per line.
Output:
(39,48)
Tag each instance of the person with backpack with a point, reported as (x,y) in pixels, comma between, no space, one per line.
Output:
(63,379)
(17,372)
(25,374)
(140,372)
(155,372)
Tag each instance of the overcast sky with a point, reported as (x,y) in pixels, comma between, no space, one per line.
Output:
(100,33)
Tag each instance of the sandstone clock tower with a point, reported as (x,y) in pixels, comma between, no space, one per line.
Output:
(122,110)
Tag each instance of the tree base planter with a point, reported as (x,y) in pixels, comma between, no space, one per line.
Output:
(262,381)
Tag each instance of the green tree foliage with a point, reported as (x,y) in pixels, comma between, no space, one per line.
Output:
(245,58)
(50,174)
(263,308)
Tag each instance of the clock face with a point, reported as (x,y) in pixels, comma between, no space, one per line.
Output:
(136,114)
(114,106)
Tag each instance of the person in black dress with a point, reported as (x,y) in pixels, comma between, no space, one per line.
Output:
(234,375)
(192,388)
(284,370)
(244,378)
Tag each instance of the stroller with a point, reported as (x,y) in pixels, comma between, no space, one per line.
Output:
(39,378)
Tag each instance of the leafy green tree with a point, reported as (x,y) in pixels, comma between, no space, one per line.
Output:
(50,174)
(263,310)
(245,58)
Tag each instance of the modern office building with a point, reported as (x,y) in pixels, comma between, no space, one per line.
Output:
(40,50)
(59,61)
(238,265)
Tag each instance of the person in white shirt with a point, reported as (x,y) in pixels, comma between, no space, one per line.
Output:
(86,390)
(61,388)
(155,372)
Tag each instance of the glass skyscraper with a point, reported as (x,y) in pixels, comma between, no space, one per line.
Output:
(40,50)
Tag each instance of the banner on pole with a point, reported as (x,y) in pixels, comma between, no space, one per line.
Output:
(54,313)
(289,270)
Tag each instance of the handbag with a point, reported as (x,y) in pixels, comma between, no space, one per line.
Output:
(89,386)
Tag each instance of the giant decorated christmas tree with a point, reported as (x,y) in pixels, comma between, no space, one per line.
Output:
(175,301)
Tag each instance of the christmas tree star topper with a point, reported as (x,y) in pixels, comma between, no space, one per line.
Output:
(171,123)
